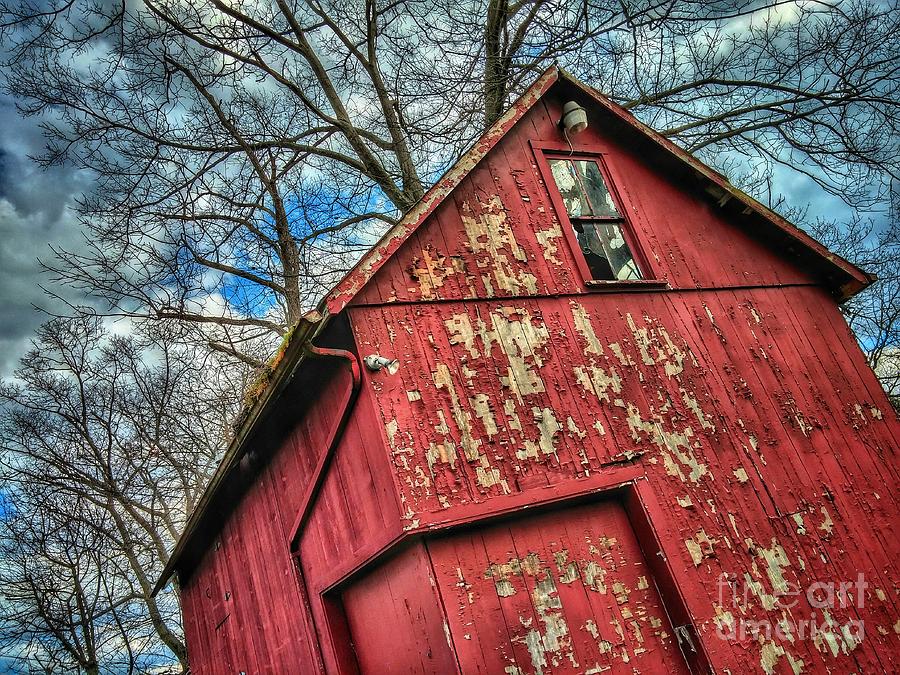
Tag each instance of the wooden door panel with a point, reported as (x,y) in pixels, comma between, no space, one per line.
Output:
(566,591)
(394,619)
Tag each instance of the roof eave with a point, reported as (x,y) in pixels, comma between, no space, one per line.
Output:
(854,279)
(287,361)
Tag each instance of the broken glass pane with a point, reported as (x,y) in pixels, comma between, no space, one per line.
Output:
(582,188)
(570,188)
(597,193)
(606,251)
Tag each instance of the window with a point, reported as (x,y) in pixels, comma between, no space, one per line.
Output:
(600,228)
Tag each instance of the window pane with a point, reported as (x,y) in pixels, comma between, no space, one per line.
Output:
(601,202)
(582,188)
(594,217)
(569,185)
(606,251)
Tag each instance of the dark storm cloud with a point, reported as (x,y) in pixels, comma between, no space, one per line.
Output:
(33,214)
(28,187)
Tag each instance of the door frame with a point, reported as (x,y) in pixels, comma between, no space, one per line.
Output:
(628,486)
(647,520)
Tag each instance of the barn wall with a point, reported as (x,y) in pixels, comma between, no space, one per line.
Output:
(738,394)
(765,438)
(243,607)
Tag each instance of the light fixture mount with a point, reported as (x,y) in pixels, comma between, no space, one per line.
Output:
(574,119)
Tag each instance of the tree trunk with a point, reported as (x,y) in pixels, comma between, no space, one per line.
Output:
(494,82)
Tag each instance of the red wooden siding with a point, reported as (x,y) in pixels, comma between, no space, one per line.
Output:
(563,592)
(396,619)
(356,515)
(752,413)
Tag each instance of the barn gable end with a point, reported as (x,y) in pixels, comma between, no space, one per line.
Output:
(548,472)
(499,232)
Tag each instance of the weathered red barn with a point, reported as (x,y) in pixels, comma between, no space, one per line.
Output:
(613,421)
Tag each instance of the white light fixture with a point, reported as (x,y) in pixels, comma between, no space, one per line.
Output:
(376,362)
(574,119)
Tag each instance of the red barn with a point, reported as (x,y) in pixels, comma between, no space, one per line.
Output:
(587,408)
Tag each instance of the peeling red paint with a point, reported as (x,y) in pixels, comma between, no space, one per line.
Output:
(372,261)
(698,449)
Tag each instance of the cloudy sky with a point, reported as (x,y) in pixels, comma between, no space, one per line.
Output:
(34,213)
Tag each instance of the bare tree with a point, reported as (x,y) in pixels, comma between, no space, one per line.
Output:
(60,607)
(106,444)
(246,152)
(874,315)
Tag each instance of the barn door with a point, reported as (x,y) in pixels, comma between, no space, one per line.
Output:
(394,619)
(561,592)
